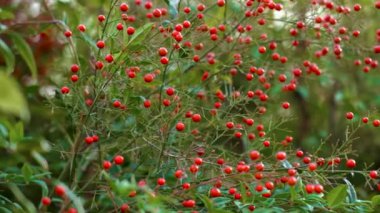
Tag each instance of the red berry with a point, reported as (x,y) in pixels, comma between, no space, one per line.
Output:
(130,30)
(170,91)
(215,192)
(60,190)
(161,181)
(196,118)
(124,208)
(116,104)
(373,174)
(180,126)
(164,60)
(118,159)
(309,188)
(65,90)
(74,68)
(285,105)
(178,174)
(147,103)
(376,123)
(318,188)
(124,7)
(101,18)
(281,155)
(254,155)
(148,78)
(292,181)
(68,33)
(81,27)
(365,120)
(186,186)
(107,165)
(89,140)
(188,203)
(349,115)
(198,161)
(162,51)
(230,125)
(46,201)
(351,163)
(74,78)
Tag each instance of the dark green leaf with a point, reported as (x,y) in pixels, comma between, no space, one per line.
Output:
(7,55)
(351,191)
(27,172)
(25,51)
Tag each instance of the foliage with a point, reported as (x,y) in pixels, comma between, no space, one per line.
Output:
(202,106)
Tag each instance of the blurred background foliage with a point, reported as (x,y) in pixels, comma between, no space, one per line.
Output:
(33,55)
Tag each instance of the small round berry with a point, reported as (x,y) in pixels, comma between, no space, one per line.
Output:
(46,201)
(68,33)
(365,120)
(351,163)
(170,91)
(161,181)
(318,188)
(81,27)
(230,125)
(148,78)
(116,104)
(373,174)
(309,188)
(65,90)
(147,103)
(215,192)
(254,155)
(130,30)
(180,126)
(196,117)
(376,123)
(89,140)
(60,190)
(118,159)
(74,78)
(101,18)
(349,115)
(281,155)
(286,105)
(74,68)
(186,186)
(162,51)
(107,165)
(124,208)
(124,7)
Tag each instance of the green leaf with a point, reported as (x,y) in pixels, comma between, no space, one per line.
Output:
(12,101)
(8,56)
(44,187)
(74,198)
(375,201)
(337,196)
(27,172)
(351,191)
(16,133)
(5,14)
(140,34)
(25,51)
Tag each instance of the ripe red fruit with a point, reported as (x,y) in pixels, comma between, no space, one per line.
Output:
(215,192)
(107,165)
(161,181)
(312,166)
(124,7)
(59,190)
(188,203)
(162,51)
(349,115)
(180,126)
(81,27)
(230,125)
(193,168)
(376,123)
(147,103)
(318,188)
(254,155)
(365,120)
(262,49)
(100,44)
(228,169)
(309,188)
(148,78)
(68,33)
(74,68)
(109,58)
(116,104)
(281,155)
(65,90)
(74,78)
(164,60)
(373,174)
(124,208)
(101,18)
(198,161)
(46,201)
(286,105)
(196,118)
(269,185)
(170,91)
(178,174)
(186,186)
(220,3)
(130,30)
(118,159)
(89,140)
(292,181)
(376,49)
(351,163)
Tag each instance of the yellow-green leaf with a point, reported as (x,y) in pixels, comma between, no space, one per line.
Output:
(12,100)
